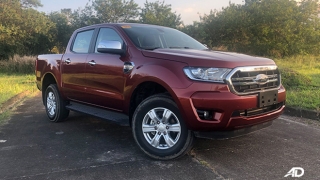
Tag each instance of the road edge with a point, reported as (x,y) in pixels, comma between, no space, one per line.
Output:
(297,112)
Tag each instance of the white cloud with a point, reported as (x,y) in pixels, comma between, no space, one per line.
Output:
(188,10)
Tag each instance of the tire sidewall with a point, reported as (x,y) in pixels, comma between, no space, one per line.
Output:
(52,88)
(141,111)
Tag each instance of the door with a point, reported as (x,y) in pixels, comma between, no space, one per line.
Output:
(74,65)
(104,74)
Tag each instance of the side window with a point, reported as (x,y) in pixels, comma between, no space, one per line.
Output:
(107,34)
(82,42)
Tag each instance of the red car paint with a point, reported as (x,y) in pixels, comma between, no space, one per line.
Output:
(106,85)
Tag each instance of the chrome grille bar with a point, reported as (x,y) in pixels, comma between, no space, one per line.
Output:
(245,80)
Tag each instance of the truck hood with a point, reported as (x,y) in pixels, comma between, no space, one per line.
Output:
(206,58)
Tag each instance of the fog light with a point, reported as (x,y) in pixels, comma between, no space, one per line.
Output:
(204,115)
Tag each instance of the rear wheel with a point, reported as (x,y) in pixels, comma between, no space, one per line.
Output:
(55,106)
(159,129)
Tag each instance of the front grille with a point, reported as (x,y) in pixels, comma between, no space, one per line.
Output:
(245,80)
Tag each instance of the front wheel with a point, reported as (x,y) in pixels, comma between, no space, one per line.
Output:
(55,106)
(159,129)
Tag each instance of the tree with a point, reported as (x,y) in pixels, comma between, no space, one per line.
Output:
(31,3)
(266,27)
(227,28)
(23,31)
(196,30)
(105,11)
(114,11)
(10,33)
(67,12)
(251,1)
(62,31)
(36,31)
(83,17)
(159,13)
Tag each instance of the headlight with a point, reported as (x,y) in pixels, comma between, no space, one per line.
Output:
(207,74)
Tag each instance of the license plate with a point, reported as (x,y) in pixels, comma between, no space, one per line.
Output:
(268,98)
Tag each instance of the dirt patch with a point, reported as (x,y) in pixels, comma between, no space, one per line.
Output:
(9,104)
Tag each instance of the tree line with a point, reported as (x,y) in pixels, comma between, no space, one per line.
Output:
(274,28)
(260,27)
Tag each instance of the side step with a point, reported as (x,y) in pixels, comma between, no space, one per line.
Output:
(112,116)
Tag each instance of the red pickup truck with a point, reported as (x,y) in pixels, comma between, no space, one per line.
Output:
(164,84)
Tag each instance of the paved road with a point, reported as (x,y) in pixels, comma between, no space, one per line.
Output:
(87,148)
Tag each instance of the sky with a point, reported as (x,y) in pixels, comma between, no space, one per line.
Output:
(188,9)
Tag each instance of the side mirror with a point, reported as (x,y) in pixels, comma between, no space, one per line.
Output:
(112,47)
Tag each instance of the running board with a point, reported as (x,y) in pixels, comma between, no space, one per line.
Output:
(112,116)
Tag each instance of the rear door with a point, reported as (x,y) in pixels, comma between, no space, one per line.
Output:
(104,74)
(74,66)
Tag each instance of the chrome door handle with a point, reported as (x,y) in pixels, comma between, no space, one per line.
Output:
(68,61)
(127,67)
(92,63)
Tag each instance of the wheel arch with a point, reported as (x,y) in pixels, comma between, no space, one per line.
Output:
(146,89)
(47,79)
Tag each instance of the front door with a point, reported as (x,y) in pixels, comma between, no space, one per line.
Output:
(104,74)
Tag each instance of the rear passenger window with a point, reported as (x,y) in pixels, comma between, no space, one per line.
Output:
(82,42)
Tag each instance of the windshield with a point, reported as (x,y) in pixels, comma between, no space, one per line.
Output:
(155,37)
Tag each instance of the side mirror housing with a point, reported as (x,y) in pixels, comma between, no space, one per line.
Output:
(112,47)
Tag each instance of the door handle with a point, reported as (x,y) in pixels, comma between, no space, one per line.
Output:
(127,67)
(92,63)
(68,61)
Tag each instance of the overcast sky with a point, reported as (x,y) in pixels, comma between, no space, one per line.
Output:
(188,9)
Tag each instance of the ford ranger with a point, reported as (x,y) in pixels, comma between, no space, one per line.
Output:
(164,84)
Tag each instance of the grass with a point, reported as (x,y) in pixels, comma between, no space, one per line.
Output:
(16,76)
(301,78)
(11,85)
(4,116)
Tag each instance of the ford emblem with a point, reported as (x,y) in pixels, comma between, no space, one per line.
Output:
(261,79)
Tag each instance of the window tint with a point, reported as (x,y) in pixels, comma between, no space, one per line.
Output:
(82,42)
(153,37)
(107,34)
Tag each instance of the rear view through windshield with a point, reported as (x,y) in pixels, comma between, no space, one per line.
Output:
(155,37)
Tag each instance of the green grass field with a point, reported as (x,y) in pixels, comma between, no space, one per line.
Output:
(301,78)
(16,76)
(11,85)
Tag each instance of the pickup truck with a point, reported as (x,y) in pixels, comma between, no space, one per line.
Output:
(167,86)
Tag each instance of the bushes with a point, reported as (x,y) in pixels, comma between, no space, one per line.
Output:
(300,71)
(272,28)
(18,65)
(292,78)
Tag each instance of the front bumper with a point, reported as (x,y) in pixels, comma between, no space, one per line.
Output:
(229,111)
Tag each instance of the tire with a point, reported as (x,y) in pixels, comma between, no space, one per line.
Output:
(55,106)
(159,129)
